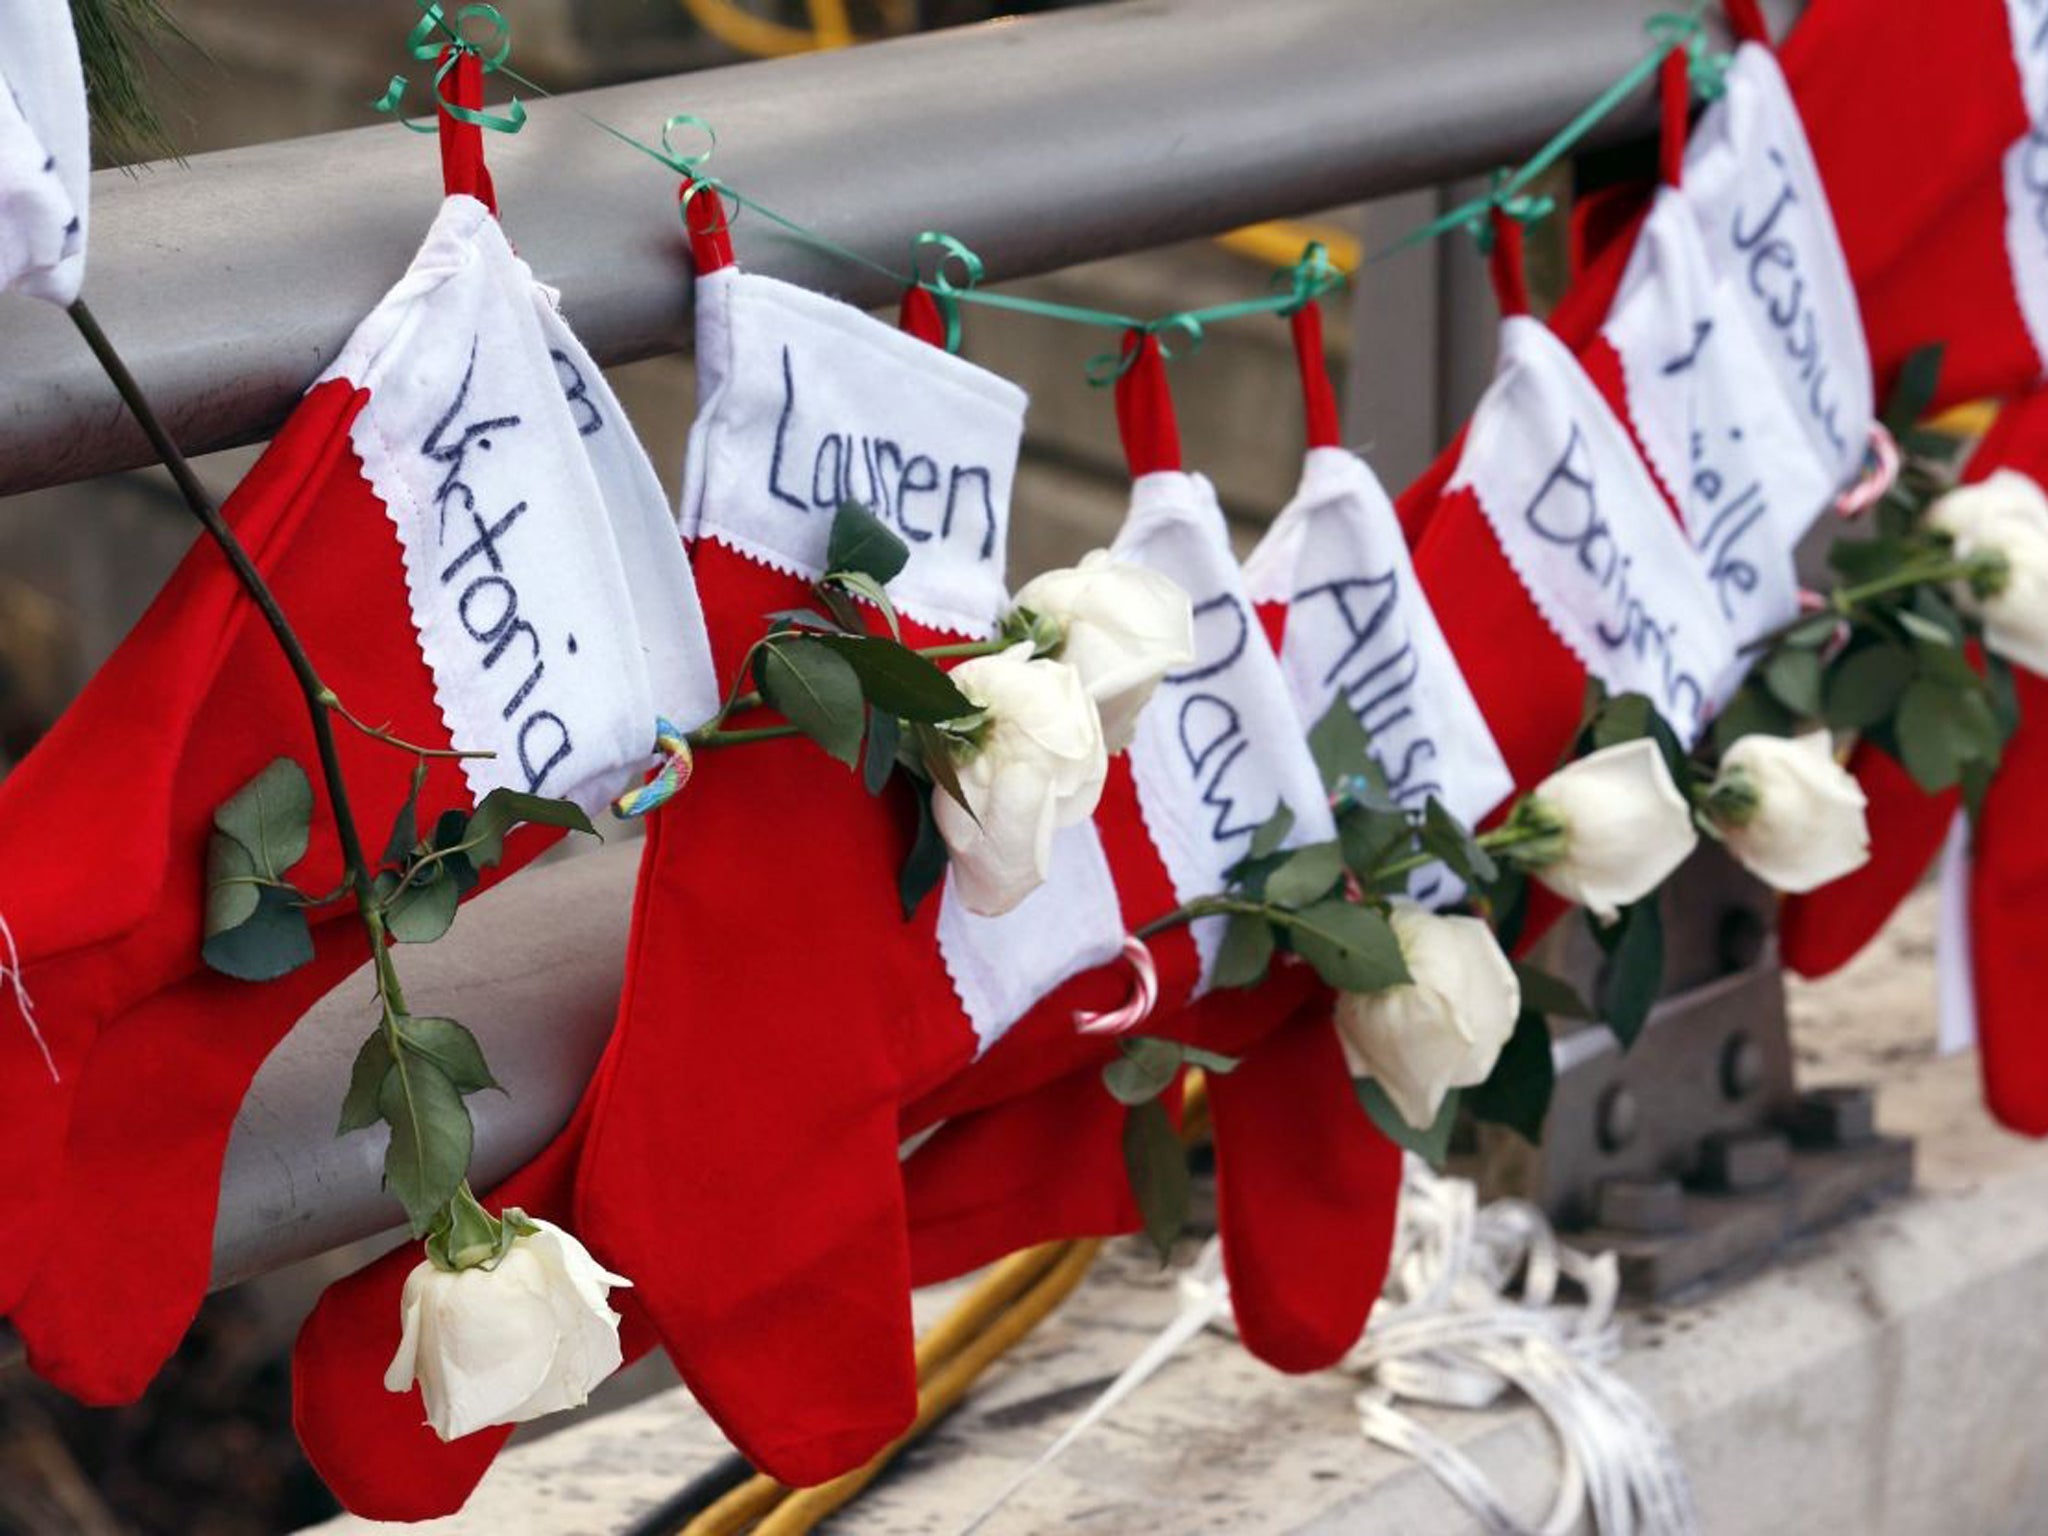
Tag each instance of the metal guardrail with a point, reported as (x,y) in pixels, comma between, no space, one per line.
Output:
(232,280)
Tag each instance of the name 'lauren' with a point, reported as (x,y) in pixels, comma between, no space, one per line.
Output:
(923,499)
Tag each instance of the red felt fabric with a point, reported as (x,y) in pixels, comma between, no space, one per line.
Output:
(2009,914)
(1144,409)
(1319,398)
(157,1051)
(463,172)
(373,1448)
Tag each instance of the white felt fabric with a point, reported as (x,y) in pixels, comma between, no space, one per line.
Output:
(1588,533)
(45,152)
(1219,748)
(2025,173)
(805,403)
(518,528)
(1001,966)
(1359,628)
(1750,177)
(1955,974)
(1705,407)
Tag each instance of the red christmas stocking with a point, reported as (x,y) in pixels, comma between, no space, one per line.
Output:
(457,520)
(374,1448)
(1939,195)
(742,1165)
(1551,554)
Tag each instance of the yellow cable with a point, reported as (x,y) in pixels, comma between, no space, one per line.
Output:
(741,30)
(1010,1300)
(829,25)
(1278,243)
(802,1511)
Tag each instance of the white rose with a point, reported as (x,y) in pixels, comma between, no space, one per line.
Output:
(529,1335)
(1789,811)
(1446,1028)
(1623,826)
(1124,628)
(1037,764)
(2006,515)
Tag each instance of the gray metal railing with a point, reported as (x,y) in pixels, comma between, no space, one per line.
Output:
(232,280)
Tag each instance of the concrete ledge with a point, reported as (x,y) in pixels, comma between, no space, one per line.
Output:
(1886,1379)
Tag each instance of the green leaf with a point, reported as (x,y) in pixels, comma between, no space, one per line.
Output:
(1350,946)
(1446,837)
(361,1106)
(431,1137)
(1270,833)
(231,889)
(862,542)
(1145,1067)
(1307,875)
(1811,634)
(925,865)
(1340,745)
(271,816)
(936,761)
(1925,630)
(1550,995)
(1432,1144)
(896,679)
(422,911)
(1517,1092)
(451,828)
(1752,712)
(1210,1061)
(816,690)
(1370,837)
(878,757)
(1865,686)
(1919,377)
(1157,1164)
(850,614)
(504,809)
(1634,972)
(272,941)
(1931,735)
(1793,677)
(1244,954)
(450,1047)
(405,828)
(1622,718)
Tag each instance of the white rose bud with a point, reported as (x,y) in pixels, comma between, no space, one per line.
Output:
(1622,827)
(1443,1030)
(1123,628)
(1789,811)
(528,1335)
(2002,520)
(1036,764)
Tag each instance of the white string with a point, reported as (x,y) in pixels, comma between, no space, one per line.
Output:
(1205,1297)
(11,977)
(1471,1311)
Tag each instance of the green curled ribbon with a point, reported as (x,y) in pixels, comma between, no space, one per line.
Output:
(1309,278)
(433,35)
(1706,68)
(945,291)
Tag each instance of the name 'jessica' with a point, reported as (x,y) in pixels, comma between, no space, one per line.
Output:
(912,490)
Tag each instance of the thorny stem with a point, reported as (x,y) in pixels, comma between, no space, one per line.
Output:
(1843,601)
(318,698)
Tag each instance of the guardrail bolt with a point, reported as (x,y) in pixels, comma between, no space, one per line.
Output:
(1647,1207)
(1742,1066)
(1740,1162)
(1620,1115)
(1834,1117)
